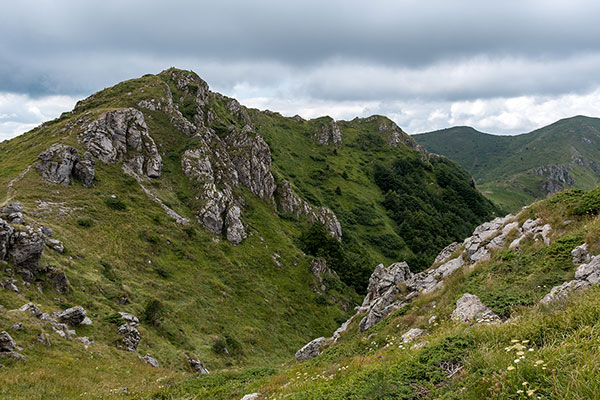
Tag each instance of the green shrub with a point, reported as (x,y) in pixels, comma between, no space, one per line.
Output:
(85,222)
(153,312)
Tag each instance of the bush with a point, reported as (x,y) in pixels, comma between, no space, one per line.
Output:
(589,204)
(115,204)
(85,222)
(153,312)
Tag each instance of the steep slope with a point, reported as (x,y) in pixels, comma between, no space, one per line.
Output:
(518,323)
(204,234)
(515,170)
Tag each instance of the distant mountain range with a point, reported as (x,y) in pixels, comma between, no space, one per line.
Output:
(515,170)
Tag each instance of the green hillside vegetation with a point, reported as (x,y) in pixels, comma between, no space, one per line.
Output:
(502,165)
(556,346)
(241,309)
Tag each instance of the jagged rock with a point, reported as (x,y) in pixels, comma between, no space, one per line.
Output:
(131,337)
(562,291)
(7,343)
(589,272)
(85,169)
(343,328)
(197,366)
(129,319)
(290,202)
(428,281)
(382,293)
(148,359)
(55,245)
(10,285)
(122,136)
(469,307)
(310,350)
(329,221)
(329,132)
(72,316)
(17,327)
(558,177)
(412,335)
(85,340)
(16,218)
(446,253)
(211,215)
(25,249)
(44,338)
(580,254)
(56,163)
(533,228)
(6,234)
(32,309)
(14,355)
(235,231)
(432,319)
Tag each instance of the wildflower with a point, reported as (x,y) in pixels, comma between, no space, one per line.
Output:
(538,362)
(514,341)
(520,353)
(519,391)
(530,349)
(525,383)
(517,361)
(510,368)
(530,392)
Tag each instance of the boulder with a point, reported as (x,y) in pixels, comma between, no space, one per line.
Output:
(56,163)
(73,316)
(310,350)
(469,307)
(446,253)
(235,231)
(585,276)
(131,337)
(412,335)
(11,208)
(61,282)
(7,343)
(580,254)
(32,309)
(55,245)
(197,366)
(25,249)
(129,319)
(148,359)
(84,170)
(17,326)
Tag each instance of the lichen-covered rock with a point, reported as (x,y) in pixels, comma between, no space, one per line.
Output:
(84,169)
(235,231)
(580,254)
(198,366)
(329,221)
(25,248)
(290,202)
(470,308)
(56,163)
(310,350)
(563,290)
(72,316)
(129,319)
(11,208)
(122,136)
(131,337)
(6,234)
(7,343)
(212,213)
(446,253)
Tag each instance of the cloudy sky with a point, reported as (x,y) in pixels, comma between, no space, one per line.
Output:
(504,67)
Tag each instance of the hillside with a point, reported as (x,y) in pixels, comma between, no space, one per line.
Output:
(515,170)
(201,235)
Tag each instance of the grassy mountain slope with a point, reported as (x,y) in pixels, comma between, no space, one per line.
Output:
(502,165)
(195,293)
(550,352)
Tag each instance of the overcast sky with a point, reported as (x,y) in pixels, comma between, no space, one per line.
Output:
(506,68)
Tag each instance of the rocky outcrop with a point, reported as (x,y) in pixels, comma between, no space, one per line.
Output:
(580,254)
(21,247)
(122,136)
(382,293)
(291,203)
(533,228)
(488,236)
(412,335)
(446,253)
(586,275)
(130,337)
(7,343)
(73,316)
(558,177)
(328,133)
(198,366)
(310,350)
(62,164)
(235,232)
(148,359)
(470,308)
(320,270)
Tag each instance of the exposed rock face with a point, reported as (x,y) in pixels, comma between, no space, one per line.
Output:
(580,254)
(477,246)
(122,136)
(73,316)
(469,307)
(23,248)
(446,253)
(558,177)
(328,133)
(60,164)
(291,203)
(585,276)
(129,319)
(382,293)
(7,343)
(197,366)
(310,350)
(320,270)
(428,281)
(534,229)
(131,337)
(61,283)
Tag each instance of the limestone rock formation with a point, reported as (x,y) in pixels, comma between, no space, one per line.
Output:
(73,316)
(580,254)
(558,177)
(235,228)
(445,254)
(131,337)
(328,133)
(7,343)
(310,350)
(469,308)
(412,335)
(148,359)
(585,276)
(22,248)
(320,270)
(122,136)
(60,164)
